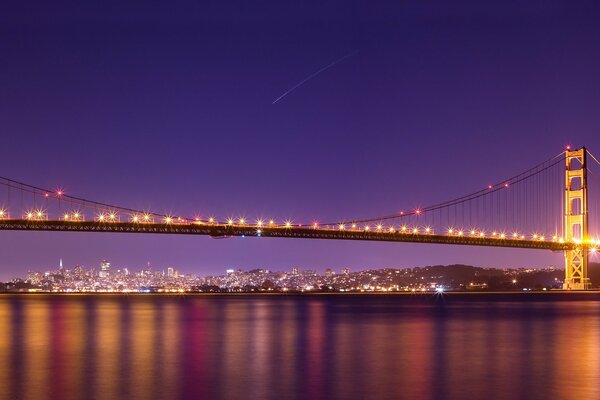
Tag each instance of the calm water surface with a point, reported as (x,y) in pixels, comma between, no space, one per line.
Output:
(297,347)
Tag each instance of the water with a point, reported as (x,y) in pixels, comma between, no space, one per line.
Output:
(298,347)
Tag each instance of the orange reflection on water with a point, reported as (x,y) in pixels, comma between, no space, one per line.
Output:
(333,347)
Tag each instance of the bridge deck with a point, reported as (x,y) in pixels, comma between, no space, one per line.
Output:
(220,230)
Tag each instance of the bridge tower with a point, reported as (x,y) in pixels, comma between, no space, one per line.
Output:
(576,221)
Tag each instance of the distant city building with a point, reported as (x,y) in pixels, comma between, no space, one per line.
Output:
(104,269)
(170,272)
(346,271)
(328,272)
(295,270)
(230,271)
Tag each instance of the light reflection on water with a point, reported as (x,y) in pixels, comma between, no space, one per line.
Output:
(306,347)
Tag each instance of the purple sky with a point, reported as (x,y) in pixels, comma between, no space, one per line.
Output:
(168,106)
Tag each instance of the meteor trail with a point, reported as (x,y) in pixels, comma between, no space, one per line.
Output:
(339,60)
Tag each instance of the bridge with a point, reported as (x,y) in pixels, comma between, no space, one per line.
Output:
(546,207)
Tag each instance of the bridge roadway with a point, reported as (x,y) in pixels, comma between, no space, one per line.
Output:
(300,232)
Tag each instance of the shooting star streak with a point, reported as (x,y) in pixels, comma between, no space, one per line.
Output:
(297,85)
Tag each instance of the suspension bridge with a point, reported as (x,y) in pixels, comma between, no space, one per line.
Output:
(551,206)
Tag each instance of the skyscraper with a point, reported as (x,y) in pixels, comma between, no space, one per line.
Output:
(104,269)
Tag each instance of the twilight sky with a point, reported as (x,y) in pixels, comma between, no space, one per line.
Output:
(169,106)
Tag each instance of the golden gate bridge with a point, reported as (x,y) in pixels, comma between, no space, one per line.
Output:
(547,207)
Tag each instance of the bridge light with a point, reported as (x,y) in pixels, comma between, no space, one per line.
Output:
(288,224)
(29,215)
(168,220)
(39,214)
(112,216)
(494,233)
(403,228)
(135,218)
(259,222)
(341,226)
(502,236)
(418,212)
(353,226)
(481,234)
(460,233)
(554,237)
(379,227)
(506,185)
(230,221)
(391,229)
(242,221)
(76,215)
(515,235)
(535,236)
(101,217)
(59,192)
(522,236)
(415,230)
(489,186)
(472,232)
(367,227)
(427,229)
(2,213)
(66,217)
(450,231)
(271,222)
(211,220)
(541,238)
(146,218)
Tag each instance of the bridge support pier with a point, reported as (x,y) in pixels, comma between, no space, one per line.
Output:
(576,221)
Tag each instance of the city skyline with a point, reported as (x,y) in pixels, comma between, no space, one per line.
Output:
(172,111)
